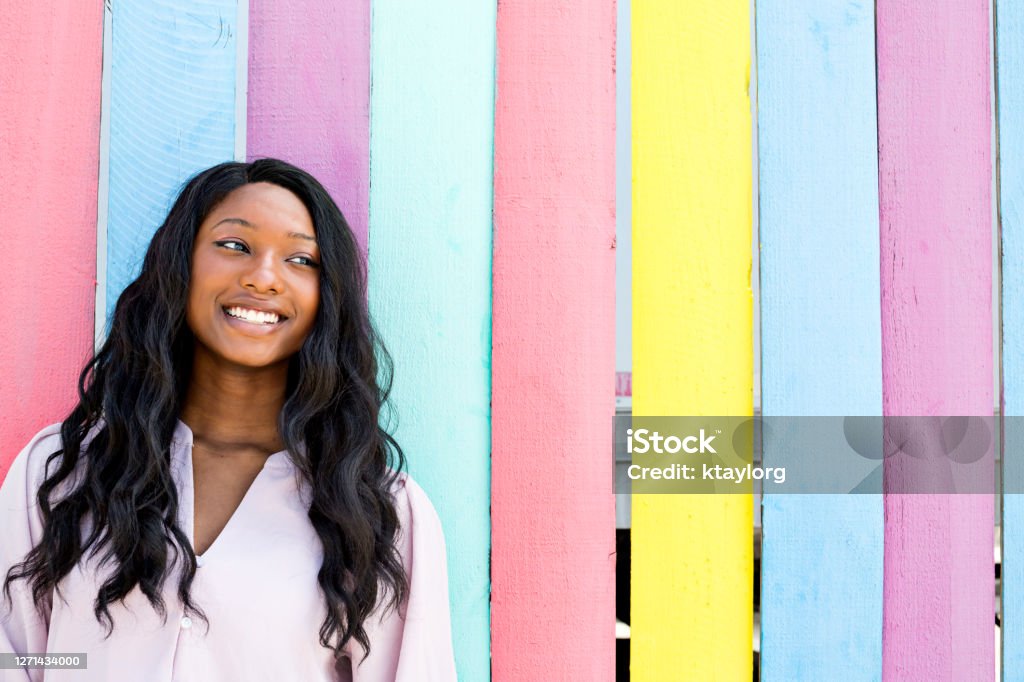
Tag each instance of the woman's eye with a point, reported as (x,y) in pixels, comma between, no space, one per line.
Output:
(305,260)
(231,244)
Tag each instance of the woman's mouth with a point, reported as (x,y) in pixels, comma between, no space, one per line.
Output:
(251,316)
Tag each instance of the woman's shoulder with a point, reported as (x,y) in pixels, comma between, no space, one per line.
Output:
(415,510)
(28,465)
(29,468)
(47,437)
(21,481)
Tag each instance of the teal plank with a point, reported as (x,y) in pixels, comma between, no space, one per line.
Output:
(431,147)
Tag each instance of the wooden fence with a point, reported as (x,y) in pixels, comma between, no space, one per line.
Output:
(471,145)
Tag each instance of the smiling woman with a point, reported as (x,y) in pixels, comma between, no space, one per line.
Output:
(255,272)
(225,466)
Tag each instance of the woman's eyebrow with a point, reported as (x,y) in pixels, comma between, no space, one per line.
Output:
(237,221)
(245,223)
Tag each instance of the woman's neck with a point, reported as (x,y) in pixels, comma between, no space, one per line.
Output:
(232,408)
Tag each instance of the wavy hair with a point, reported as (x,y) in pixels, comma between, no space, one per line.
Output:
(132,390)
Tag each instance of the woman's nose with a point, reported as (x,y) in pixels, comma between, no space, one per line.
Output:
(264,276)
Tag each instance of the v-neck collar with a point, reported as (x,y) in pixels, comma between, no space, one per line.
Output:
(182,443)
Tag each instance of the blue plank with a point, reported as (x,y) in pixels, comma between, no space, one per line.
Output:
(821,594)
(1010,117)
(172,113)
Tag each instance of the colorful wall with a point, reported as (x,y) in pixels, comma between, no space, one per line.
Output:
(872,153)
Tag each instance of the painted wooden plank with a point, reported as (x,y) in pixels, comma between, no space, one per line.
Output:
(821,556)
(692,556)
(172,113)
(1010,98)
(309,94)
(49,141)
(431,145)
(553,561)
(934,138)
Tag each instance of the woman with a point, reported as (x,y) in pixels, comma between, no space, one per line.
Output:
(222,503)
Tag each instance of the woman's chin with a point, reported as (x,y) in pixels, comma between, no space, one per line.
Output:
(256,362)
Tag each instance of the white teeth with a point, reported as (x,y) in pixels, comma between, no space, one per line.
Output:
(254,316)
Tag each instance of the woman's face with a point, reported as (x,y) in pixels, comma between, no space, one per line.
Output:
(255,284)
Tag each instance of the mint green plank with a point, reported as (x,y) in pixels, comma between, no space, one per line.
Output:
(431,145)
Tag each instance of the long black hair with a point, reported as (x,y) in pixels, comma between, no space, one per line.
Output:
(131,393)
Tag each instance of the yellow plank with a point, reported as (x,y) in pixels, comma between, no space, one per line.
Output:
(692,556)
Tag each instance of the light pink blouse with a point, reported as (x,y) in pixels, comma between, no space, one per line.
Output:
(256,583)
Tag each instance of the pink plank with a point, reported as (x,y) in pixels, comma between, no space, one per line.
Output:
(552,563)
(936,275)
(309,95)
(49,143)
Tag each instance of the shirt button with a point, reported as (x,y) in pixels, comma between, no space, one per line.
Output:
(186,623)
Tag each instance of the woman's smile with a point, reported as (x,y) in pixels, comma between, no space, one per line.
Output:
(251,322)
(254,316)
